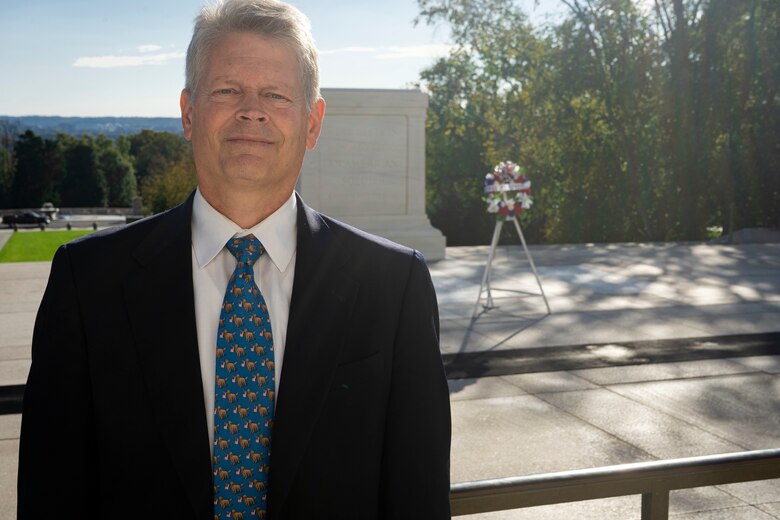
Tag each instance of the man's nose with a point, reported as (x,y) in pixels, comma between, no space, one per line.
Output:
(252,109)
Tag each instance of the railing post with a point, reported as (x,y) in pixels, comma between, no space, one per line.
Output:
(655,505)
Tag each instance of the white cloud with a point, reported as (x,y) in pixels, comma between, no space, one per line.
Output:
(393,52)
(433,50)
(149,55)
(148,48)
(103,62)
(351,50)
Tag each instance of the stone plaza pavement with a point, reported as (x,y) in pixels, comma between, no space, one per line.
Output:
(651,352)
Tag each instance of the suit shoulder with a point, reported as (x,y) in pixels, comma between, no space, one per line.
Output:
(368,243)
(114,236)
(119,242)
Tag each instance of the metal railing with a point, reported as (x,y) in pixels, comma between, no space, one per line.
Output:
(653,480)
(116,211)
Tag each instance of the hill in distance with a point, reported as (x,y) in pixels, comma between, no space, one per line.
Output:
(49,126)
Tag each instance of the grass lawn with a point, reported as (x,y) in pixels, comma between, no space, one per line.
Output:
(36,246)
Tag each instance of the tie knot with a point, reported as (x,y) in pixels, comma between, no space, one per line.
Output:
(246,249)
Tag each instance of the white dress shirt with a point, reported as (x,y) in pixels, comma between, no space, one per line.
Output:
(212,265)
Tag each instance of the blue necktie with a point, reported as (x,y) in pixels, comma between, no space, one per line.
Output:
(244,392)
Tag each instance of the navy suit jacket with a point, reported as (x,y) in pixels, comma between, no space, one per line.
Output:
(114,423)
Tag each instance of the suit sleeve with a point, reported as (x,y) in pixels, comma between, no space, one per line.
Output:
(415,478)
(57,465)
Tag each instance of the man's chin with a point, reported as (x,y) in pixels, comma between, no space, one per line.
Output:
(246,167)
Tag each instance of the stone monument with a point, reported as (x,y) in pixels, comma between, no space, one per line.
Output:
(368,168)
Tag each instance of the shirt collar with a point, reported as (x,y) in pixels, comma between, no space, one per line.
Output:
(211,230)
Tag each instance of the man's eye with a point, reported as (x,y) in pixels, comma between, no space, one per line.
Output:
(276,97)
(224,91)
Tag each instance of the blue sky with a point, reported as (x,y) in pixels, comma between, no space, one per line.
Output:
(126,57)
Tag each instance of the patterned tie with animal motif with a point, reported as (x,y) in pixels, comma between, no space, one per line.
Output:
(244,392)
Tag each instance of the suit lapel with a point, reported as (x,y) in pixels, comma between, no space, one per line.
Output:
(161,308)
(320,308)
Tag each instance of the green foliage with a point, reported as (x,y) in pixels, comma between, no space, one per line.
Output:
(37,173)
(597,93)
(155,153)
(164,168)
(466,132)
(8,133)
(116,164)
(36,246)
(165,190)
(453,154)
(84,183)
(7,168)
(736,50)
(632,124)
(94,171)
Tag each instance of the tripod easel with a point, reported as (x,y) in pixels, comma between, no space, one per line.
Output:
(486,278)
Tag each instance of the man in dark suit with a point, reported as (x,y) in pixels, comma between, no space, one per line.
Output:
(119,416)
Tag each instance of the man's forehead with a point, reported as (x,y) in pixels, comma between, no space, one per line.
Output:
(247,47)
(248,38)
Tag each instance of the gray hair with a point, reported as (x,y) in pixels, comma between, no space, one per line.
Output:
(267,18)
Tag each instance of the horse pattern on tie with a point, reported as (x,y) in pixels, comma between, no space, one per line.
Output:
(244,392)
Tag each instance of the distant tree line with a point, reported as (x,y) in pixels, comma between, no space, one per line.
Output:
(635,121)
(92,171)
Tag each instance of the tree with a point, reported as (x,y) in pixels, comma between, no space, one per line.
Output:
(155,152)
(454,154)
(737,79)
(165,190)
(599,92)
(633,123)
(7,168)
(116,165)
(572,106)
(721,110)
(471,90)
(681,109)
(9,131)
(38,170)
(84,183)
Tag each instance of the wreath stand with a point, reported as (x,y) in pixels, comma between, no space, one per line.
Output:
(486,278)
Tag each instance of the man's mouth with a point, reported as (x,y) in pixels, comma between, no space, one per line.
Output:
(249,139)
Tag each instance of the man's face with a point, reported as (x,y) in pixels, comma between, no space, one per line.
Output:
(248,121)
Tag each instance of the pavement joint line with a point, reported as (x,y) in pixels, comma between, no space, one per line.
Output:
(606,432)
(691,423)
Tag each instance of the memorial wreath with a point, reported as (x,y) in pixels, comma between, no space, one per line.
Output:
(507,191)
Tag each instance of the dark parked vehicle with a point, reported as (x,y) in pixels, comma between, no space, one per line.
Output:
(26,217)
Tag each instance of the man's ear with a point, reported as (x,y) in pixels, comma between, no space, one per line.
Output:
(316,115)
(186,113)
